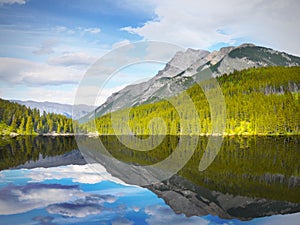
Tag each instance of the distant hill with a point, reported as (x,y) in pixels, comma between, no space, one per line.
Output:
(58,108)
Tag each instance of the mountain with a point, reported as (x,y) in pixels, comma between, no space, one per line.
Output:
(184,68)
(258,101)
(57,108)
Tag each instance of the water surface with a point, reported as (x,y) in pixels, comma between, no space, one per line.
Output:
(253,180)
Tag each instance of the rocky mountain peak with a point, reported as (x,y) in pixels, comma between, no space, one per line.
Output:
(246,45)
(216,56)
(180,73)
(181,61)
(184,59)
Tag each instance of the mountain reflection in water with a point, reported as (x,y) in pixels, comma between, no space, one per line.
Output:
(250,177)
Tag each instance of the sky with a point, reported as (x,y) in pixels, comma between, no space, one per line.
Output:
(47,46)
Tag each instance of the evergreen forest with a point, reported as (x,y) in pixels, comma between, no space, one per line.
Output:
(22,120)
(259,101)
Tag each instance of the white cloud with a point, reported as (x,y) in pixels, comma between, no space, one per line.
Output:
(66,200)
(83,207)
(19,71)
(106,92)
(75,210)
(162,52)
(93,30)
(25,80)
(10,2)
(202,24)
(20,199)
(120,43)
(72,58)
(132,74)
(46,47)
(62,95)
(122,221)
(87,174)
(60,29)
(136,208)
(44,220)
(159,214)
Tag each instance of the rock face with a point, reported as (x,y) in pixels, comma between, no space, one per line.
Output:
(181,62)
(182,71)
(158,87)
(192,200)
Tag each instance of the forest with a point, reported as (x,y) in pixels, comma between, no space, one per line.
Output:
(22,120)
(259,101)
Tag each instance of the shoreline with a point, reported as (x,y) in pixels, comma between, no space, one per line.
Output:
(12,135)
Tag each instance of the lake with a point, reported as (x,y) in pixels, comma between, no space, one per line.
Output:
(249,180)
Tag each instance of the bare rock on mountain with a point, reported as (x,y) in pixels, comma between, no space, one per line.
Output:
(184,68)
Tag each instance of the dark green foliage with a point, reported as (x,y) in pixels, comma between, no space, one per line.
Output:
(259,101)
(254,166)
(19,150)
(20,119)
(260,54)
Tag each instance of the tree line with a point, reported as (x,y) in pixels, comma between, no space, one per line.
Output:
(23,120)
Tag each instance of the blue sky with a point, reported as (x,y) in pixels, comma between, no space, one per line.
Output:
(47,46)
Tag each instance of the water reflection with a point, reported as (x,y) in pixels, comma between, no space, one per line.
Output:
(24,149)
(183,196)
(75,194)
(251,177)
(254,166)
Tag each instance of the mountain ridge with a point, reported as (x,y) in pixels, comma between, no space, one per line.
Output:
(57,108)
(184,68)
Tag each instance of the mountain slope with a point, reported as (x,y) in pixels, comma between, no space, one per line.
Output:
(137,94)
(258,101)
(180,73)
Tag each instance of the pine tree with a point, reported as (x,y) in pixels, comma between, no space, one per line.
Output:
(13,124)
(22,126)
(29,126)
(39,128)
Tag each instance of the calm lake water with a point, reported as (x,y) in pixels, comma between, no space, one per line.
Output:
(46,180)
